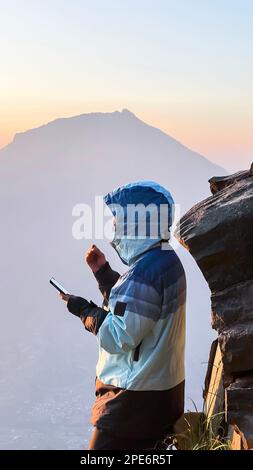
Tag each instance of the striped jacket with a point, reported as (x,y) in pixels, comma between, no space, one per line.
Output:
(141,341)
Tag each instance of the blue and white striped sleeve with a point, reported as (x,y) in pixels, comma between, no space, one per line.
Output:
(134,309)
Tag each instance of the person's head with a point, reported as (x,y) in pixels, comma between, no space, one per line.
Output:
(143,213)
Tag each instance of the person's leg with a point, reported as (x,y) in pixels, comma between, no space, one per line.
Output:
(103,440)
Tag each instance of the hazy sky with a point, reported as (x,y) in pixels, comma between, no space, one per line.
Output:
(185,66)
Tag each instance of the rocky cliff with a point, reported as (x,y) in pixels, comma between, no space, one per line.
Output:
(218,232)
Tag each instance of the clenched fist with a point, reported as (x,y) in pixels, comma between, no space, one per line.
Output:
(94,258)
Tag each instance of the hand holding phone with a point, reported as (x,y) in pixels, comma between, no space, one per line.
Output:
(58,286)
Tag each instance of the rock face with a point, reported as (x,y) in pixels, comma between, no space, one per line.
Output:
(218,232)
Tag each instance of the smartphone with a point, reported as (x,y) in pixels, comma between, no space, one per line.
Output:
(58,286)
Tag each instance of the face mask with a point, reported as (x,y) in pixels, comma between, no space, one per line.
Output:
(117,243)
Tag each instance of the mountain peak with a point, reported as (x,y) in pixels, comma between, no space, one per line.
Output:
(126,112)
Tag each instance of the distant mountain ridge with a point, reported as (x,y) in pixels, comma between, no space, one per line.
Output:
(125,113)
(118,138)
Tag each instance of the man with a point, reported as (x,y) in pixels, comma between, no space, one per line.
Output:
(141,326)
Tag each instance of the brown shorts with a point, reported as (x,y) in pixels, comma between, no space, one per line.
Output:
(102,440)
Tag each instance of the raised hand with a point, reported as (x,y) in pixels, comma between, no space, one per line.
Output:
(95,258)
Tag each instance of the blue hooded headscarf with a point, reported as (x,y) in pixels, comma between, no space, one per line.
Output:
(126,204)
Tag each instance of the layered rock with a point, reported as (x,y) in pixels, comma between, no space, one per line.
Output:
(218,232)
